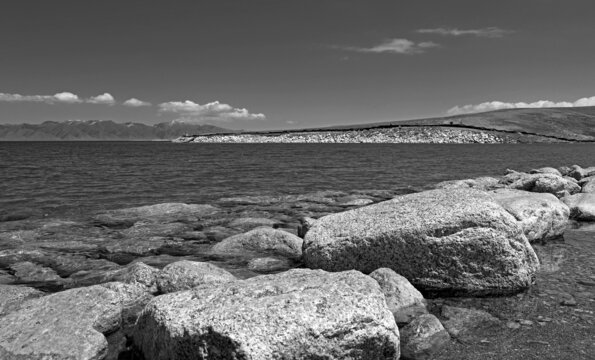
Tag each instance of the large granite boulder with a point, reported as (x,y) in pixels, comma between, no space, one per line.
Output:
(457,241)
(298,314)
(66,325)
(582,206)
(541,182)
(541,215)
(261,240)
(402,298)
(184,275)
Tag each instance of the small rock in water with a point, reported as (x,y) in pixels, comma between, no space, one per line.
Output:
(266,265)
(462,321)
(261,240)
(423,338)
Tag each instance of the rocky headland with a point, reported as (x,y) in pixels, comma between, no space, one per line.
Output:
(489,268)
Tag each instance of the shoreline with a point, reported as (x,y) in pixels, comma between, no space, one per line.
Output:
(405,134)
(129,252)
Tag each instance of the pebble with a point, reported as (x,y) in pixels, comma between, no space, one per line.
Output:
(526,322)
(513,325)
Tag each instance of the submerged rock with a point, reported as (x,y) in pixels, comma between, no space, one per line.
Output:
(184,275)
(423,338)
(458,241)
(298,314)
(582,206)
(403,300)
(163,213)
(460,322)
(268,264)
(262,240)
(541,215)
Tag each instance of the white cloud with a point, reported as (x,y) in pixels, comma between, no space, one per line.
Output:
(396,46)
(134,102)
(489,32)
(62,97)
(105,98)
(190,111)
(499,105)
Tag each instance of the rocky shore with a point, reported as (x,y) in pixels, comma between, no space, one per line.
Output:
(395,135)
(485,268)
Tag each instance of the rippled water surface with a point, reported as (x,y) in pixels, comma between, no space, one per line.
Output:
(58,178)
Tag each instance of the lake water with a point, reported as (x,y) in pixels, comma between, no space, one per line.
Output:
(66,178)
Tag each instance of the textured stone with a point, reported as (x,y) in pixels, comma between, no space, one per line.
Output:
(184,275)
(461,321)
(588,186)
(29,272)
(137,273)
(582,206)
(403,300)
(541,215)
(65,325)
(480,183)
(545,183)
(261,240)
(12,296)
(422,338)
(305,225)
(298,314)
(546,170)
(578,172)
(459,241)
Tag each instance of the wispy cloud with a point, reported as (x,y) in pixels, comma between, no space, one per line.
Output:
(134,102)
(394,46)
(105,98)
(61,97)
(189,111)
(499,105)
(488,32)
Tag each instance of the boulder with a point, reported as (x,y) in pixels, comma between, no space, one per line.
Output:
(261,240)
(423,338)
(541,215)
(66,325)
(480,183)
(546,170)
(578,172)
(403,300)
(268,264)
(548,183)
(582,206)
(12,296)
(298,314)
(184,275)
(588,186)
(455,241)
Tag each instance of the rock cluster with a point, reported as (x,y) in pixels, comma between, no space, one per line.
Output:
(369,257)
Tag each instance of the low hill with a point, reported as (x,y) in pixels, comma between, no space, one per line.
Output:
(575,124)
(101,130)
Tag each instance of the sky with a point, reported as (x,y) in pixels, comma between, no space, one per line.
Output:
(271,64)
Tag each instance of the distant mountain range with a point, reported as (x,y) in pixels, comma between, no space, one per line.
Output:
(101,130)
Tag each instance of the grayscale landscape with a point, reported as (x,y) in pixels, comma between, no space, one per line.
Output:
(287,180)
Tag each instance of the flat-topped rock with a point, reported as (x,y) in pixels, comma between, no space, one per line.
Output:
(458,241)
(582,206)
(262,240)
(184,275)
(12,296)
(298,314)
(541,215)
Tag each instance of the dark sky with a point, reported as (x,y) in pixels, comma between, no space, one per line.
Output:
(283,64)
